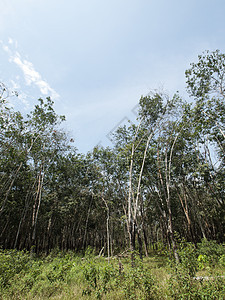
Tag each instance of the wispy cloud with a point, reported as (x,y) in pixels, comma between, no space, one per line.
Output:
(31,76)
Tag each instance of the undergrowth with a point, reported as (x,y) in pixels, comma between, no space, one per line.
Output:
(199,275)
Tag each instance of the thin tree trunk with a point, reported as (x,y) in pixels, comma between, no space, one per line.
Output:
(9,189)
(168,180)
(86,224)
(107,228)
(39,196)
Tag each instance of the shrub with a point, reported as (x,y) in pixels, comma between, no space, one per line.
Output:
(210,252)
(139,283)
(183,283)
(12,262)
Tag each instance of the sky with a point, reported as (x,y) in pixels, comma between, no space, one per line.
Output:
(96,58)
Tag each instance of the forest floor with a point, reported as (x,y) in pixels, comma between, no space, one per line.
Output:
(72,276)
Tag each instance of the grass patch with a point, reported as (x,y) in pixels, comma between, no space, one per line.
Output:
(71,276)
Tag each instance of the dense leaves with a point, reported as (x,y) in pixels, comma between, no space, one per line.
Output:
(66,275)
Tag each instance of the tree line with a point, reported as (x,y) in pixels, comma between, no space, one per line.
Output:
(162,180)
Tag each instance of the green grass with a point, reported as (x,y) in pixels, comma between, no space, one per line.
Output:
(71,276)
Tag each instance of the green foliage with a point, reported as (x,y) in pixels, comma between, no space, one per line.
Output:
(183,272)
(99,278)
(133,282)
(206,75)
(22,274)
(210,252)
(64,275)
(196,289)
(184,284)
(138,282)
(222,260)
(203,261)
(12,262)
(188,259)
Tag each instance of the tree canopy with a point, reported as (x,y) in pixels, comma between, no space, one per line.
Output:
(163,179)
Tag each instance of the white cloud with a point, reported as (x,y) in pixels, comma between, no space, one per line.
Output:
(10,41)
(5,48)
(15,85)
(23,97)
(31,76)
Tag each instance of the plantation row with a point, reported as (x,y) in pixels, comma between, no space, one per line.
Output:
(163,180)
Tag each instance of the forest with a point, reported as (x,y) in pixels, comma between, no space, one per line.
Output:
(162,181)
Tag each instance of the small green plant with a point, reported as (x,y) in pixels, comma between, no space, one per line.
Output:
(137,281)
(211,251)
(203,261)
(99,277)
(188,260)
(222,260)
(184,284)
(12,262)
(91,275)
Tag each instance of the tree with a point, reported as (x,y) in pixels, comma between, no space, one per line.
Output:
(163,179)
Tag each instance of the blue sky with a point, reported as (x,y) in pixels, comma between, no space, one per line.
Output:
(96,58)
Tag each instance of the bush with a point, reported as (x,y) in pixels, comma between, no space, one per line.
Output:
(67,274)
(210,252)
(21,274)
(139,283)
(133,282)
(12,262)
(188,260)
(222,260)
(99,277)
(183,283)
